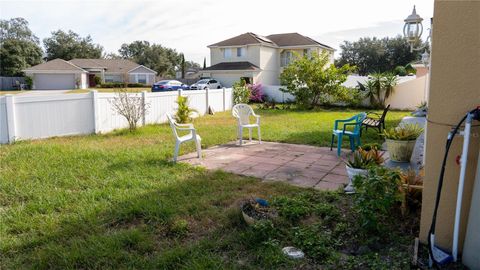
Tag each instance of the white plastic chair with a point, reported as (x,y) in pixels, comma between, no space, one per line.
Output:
(192,136)
(243,112)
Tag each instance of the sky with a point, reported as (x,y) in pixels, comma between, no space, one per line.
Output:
(189,26)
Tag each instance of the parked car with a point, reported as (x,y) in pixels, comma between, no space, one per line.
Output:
(206,83)
(168,85)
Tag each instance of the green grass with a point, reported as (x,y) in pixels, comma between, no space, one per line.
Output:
(116,201)
(11,92)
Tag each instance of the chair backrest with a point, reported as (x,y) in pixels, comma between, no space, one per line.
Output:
(382,118)
(359,119)
(172,123)
(242,112)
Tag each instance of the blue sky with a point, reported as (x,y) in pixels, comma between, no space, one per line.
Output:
(190,25)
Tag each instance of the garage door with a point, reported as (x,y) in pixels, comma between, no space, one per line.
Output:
(54,81)
(227,80)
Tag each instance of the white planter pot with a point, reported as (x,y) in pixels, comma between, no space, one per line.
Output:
(352,172)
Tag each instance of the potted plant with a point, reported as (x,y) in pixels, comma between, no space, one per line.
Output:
(254,210)
(358,164)
(401,141)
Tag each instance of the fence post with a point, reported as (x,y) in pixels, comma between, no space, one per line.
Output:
(224,99)
(10,105)
(206,97)
(94,94)
(144,106)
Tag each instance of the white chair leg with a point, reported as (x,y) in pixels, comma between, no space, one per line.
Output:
(240,133)
(199,148)
(177,149)
(259,135)
(250,134)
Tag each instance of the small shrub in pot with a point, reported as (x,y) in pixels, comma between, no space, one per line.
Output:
(401,141)
(360,162)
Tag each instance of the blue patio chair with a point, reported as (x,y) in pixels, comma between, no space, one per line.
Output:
(355,124)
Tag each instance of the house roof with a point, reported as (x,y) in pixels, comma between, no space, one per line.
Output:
(294,39)
(233,66)
(110,65)
(277,40)
(244,39)
(56,64)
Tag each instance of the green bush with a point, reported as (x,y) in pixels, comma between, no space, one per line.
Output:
(97,80)
(29,81)
(184,112)
(241,92)
(376,195)
(400,71)
(120,85)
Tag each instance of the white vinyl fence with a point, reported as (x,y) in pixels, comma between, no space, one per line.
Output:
(32,117)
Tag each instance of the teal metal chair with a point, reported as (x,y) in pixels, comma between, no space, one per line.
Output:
(352,128)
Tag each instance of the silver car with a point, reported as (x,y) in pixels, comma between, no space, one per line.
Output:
(206,83)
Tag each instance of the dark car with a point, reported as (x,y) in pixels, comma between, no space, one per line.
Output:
(168,85)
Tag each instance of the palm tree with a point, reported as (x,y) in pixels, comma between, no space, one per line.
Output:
(389,82)
(370,89)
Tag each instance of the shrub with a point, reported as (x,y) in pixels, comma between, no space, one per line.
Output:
(184,112)
(376,195)
(29,81)
(256,93)
(241,92)
(130,106)
(121,85)
(400,71)
(405,132)
(363,159)
(313,80)
(97,80)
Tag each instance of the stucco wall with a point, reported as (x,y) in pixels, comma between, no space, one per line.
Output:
(408,95)
(252,55)
(454,90)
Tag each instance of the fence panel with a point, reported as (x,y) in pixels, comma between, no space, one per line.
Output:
(3,121)
(228,98)
(10,83)
(48,116)
(197,100)
(215,99)
(108,119)
(159,105)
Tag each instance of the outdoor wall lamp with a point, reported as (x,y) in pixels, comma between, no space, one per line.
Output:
(426,58)
(413,30)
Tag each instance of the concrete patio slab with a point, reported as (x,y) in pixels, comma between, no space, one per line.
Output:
(299,165)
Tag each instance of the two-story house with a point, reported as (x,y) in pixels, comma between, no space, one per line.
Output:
(258,59)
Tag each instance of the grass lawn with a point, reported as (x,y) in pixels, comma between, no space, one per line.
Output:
(115,201)
(109,90)
(11,92)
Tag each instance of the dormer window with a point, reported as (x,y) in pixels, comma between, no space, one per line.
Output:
(227,53)
(241,52)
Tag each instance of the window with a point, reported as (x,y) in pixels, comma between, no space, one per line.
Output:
(227,53)
(142,78)
(285,58)
(213,81)
(307,52)
(113,78)
(241,52)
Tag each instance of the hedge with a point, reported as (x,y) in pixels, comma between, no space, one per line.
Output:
(120,85)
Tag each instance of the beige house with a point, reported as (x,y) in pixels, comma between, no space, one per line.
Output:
(59,74)
(258,59)
(453,91)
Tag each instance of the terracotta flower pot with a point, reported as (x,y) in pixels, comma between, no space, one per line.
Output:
(400,151)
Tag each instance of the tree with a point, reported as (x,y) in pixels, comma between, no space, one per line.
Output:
(69,45)
(204,63)
(129,105)
(182,65)
(19,47)
(313,81)
(163,60)
(379,87)
(376,55)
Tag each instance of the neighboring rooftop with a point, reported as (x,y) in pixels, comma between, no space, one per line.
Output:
(277,40)
(233,66)
(79,64)
(56,64)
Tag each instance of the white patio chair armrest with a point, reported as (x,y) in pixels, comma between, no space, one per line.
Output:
(184,125)
(185,129)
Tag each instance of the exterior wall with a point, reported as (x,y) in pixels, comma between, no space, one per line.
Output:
(453,91)
(270,65)
(252,56)
(408,95)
